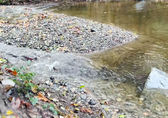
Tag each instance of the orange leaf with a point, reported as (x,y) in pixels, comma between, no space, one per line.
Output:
(86,110)
(42,97)
(14,73)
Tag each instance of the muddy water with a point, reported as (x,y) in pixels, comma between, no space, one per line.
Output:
(148,20)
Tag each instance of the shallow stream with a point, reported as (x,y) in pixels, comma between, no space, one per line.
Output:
(147,19)
(134,60)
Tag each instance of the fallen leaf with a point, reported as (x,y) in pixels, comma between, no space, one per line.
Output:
(15,103)
(34,89)
(8,87)
(8,70)
(28,105)
(42,97)
(9,112)
(2,61)
(75,105)
(81,86)
(86,110)
(3,116)
(14,73)
(34,100)
(121,116)
(10,99)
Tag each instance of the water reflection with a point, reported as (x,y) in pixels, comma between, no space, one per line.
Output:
(140,5)
(149,20)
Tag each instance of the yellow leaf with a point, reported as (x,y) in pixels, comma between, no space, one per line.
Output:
(3,116)
(34,89)
(76,105)
(9,112)
(2,60)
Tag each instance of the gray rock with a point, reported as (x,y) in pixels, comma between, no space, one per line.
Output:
(157,80)
(92,102)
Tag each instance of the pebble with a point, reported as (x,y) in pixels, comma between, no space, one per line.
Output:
(92,102)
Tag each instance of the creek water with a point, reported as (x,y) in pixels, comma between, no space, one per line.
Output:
(147,19)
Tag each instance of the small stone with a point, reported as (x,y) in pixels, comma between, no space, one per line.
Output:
(92,30)
(92,102)
(47,82)
(52,79)
(55,99)
(118,99)
(83,97)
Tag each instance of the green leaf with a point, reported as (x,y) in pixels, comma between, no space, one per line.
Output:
(45,106)
(52,109)
(34,100)
(29,63)
(122,116)
(81,86)
(17,82)
(4,66)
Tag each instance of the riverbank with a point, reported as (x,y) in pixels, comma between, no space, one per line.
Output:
(66,91)
(27,27)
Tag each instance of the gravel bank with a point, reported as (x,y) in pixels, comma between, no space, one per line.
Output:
(62,75)
(27,27)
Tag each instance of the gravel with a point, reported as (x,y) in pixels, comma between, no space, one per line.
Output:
(27,27)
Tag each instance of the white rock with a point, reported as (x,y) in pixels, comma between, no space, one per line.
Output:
(7,82)
(157,80)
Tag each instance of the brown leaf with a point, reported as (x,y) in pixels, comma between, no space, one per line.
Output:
(7,88)
(86,110)
(42,97)
(14,73)
(28,105)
